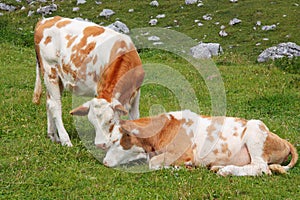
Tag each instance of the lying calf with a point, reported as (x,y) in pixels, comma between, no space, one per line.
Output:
(230,146)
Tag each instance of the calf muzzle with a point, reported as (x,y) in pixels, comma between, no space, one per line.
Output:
(101,146)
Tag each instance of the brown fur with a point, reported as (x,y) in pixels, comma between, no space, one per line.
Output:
(63,23)
(38,36)
(48,40)
(169,138)
(39,29)
(70,39)
(80,53)
(276,150)
(124,75)
(243,133)
(53,74)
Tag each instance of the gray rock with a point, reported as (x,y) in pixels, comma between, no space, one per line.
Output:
(119,27)
(268,27)
(200,24)
(154,3)
(153,22)
(154,38)
(107,13)
(160,16)
(30,13)
(207,17)
(33,1)
(258,23)
(81,2)
(235,21)
(200,4)
(6,7)
(47,9)
(206,50)
(75,9)
(288,49)
(223,33)
(188,2)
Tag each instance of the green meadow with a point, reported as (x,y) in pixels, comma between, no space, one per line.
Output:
(32,167)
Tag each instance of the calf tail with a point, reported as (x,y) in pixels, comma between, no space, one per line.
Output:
(283,169)
(38,85)
(294,157)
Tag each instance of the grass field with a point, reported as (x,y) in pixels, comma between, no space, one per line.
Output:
(32,167)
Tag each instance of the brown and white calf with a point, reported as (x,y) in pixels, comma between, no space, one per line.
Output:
(88,60)
(230,146)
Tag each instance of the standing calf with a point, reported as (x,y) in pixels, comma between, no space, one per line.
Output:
(230,146)
(88,60)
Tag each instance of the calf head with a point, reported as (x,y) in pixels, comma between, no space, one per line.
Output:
(123,148)
(103,115)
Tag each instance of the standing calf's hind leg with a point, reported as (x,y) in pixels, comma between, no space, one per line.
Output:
(54,111)
(52,131)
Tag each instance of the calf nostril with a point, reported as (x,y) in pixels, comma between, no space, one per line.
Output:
(105,163)
(101,146)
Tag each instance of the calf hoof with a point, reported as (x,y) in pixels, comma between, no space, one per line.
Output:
(53,137)
(67,143)
(224,172)
(215,169)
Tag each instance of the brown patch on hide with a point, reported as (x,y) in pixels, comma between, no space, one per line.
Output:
(276,149)
(216,151)
(40,27)
(63,23)
(243,133)
(210,129)
(220,134)
(243,122)
(47,40)
(160,135)
(81,56)
(189,122)
(82,49)
(225,149)
(39,35)
(53,74)
(67,69)
(124,75)
(263,128)
(70,40)
(95,59)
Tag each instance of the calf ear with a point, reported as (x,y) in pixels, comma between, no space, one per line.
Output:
(126,126)
(120,109)
(81,110)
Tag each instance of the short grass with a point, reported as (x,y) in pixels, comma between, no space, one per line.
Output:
(32,167)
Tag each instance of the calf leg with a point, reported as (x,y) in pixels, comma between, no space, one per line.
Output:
(160,161)
(54,111)
(254,138)
(247,170)
(134,112)
(52,132)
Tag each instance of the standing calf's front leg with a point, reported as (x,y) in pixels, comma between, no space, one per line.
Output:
(134,112)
